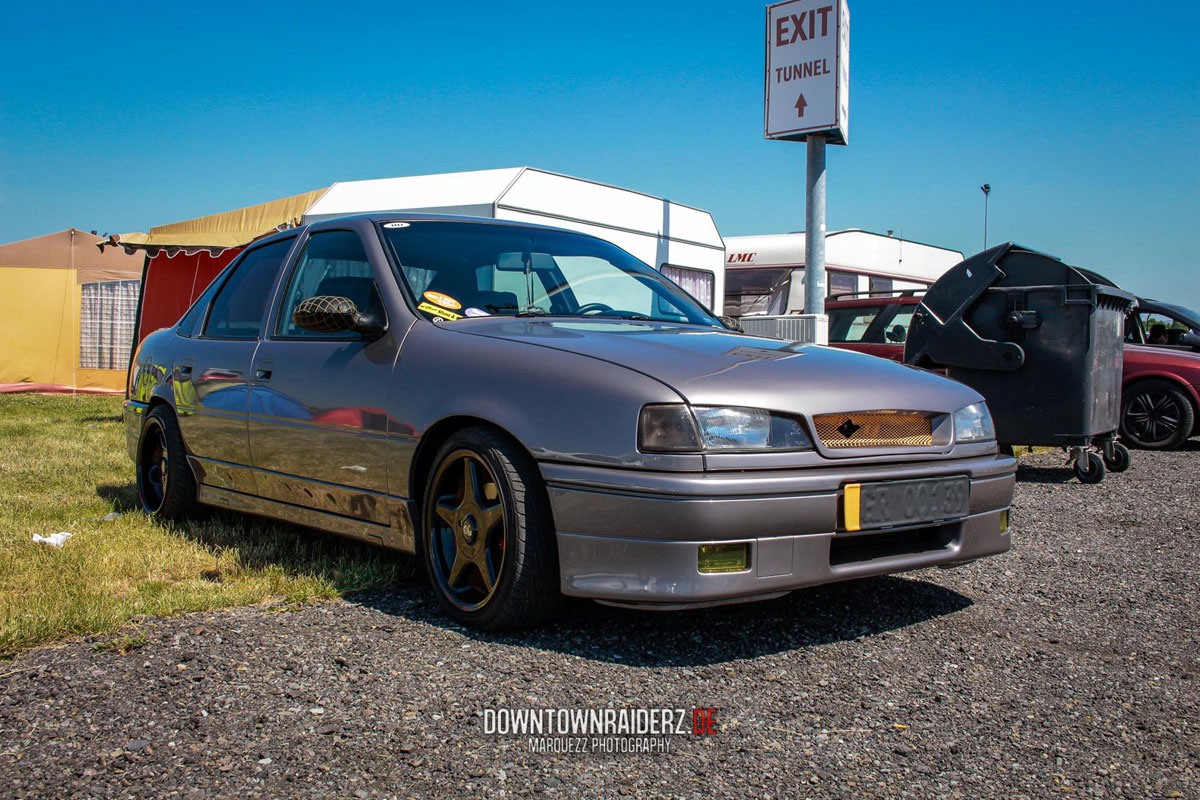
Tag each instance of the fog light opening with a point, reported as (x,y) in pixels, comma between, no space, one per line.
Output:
(723,557)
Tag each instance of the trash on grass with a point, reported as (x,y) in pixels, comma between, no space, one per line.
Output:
(54,539)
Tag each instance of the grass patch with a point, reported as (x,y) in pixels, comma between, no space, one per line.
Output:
(63,466)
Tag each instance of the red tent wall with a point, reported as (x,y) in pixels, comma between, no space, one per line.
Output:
(171,283)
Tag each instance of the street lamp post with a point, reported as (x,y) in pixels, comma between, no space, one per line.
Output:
(986,189)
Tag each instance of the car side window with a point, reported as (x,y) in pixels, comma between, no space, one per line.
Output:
(189,323)
(333,264)
(851,325)
(897,328)
(1161,329)
(237,310)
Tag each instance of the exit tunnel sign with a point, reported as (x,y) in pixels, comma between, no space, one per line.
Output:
(808,70)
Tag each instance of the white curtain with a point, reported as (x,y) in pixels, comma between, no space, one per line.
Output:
(698,283)
(106,318)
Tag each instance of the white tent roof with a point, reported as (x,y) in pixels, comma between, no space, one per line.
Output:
(518,191)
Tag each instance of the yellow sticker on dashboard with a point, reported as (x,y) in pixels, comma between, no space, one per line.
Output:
(438,312)
(443,300)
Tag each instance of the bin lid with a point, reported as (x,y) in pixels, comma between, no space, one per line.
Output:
(940,334)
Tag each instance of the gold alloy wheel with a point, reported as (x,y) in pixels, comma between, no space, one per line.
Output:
(466,530)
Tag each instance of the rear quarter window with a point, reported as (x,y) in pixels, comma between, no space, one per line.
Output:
(238,309)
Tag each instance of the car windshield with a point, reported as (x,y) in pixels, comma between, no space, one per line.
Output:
(457,270)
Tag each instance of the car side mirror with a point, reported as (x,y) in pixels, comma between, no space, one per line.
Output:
(330,314)
(732,324)
(1189,339)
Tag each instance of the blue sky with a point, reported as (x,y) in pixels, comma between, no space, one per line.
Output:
(1084,117)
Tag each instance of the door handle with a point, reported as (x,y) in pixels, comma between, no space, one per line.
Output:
(262,374)
(185,369)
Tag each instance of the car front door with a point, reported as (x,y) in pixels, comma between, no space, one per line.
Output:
(318,419)
(212,367)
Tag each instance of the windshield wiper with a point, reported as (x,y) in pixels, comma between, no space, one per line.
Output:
(533,311)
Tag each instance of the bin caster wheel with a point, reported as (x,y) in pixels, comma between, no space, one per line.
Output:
(1095,469)
(1119,461)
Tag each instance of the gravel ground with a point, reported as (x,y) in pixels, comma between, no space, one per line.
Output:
(1068,666)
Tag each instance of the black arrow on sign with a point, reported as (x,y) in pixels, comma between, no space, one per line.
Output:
(801,104)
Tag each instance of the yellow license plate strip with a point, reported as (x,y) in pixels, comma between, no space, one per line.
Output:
(851,496)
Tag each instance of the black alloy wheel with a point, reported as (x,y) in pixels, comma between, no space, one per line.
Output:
(153,467)
(165,485)
(1156,415)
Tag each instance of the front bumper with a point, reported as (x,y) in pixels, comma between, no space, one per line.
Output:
(632,536)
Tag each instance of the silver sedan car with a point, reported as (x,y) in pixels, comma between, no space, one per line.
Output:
(534,413)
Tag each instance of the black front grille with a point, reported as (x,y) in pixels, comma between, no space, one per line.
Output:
(852,548)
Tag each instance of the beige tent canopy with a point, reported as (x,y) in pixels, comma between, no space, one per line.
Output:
(221,231)
(68,325)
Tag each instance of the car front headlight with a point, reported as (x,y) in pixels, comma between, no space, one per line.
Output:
(692,429)
(974,423)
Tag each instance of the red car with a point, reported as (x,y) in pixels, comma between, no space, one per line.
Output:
(1160,404)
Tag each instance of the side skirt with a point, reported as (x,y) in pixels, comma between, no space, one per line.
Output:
(397,537)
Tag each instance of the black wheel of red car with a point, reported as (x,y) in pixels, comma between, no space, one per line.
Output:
(1156,415)
(488,540)
(1119,460)
(1093,472)
(165,484)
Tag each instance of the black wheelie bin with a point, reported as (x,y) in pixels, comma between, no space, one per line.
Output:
(1042,344)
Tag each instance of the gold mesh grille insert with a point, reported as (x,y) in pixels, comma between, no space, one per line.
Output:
(874,429)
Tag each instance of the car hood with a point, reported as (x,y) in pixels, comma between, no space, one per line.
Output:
(715,367)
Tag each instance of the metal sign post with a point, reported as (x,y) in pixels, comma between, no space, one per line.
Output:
(814,237)
(807,85)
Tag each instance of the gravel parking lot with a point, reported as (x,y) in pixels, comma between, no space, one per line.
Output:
(1068,666)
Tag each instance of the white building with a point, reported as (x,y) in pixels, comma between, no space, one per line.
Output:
(765,274)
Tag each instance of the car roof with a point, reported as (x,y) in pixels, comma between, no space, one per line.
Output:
(409,216)
(878,301)
(1146,304)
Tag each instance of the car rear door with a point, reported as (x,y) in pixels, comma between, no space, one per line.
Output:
(318,401)
(212,368)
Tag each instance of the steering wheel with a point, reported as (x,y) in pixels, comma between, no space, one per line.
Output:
(588,308)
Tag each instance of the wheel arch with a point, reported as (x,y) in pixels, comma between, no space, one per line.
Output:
(433,439)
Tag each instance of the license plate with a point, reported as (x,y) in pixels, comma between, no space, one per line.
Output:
(891,503)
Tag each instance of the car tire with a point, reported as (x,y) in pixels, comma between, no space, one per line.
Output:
(488,539)
(1156,415)
(166,487)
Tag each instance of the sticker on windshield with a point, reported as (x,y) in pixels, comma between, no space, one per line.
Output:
(443,300)
(430,308)
(395,224)
(476,312)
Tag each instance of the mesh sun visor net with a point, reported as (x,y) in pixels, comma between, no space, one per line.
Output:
(324,314)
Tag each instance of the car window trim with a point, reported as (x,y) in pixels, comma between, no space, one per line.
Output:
(228,273)
(290,266)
